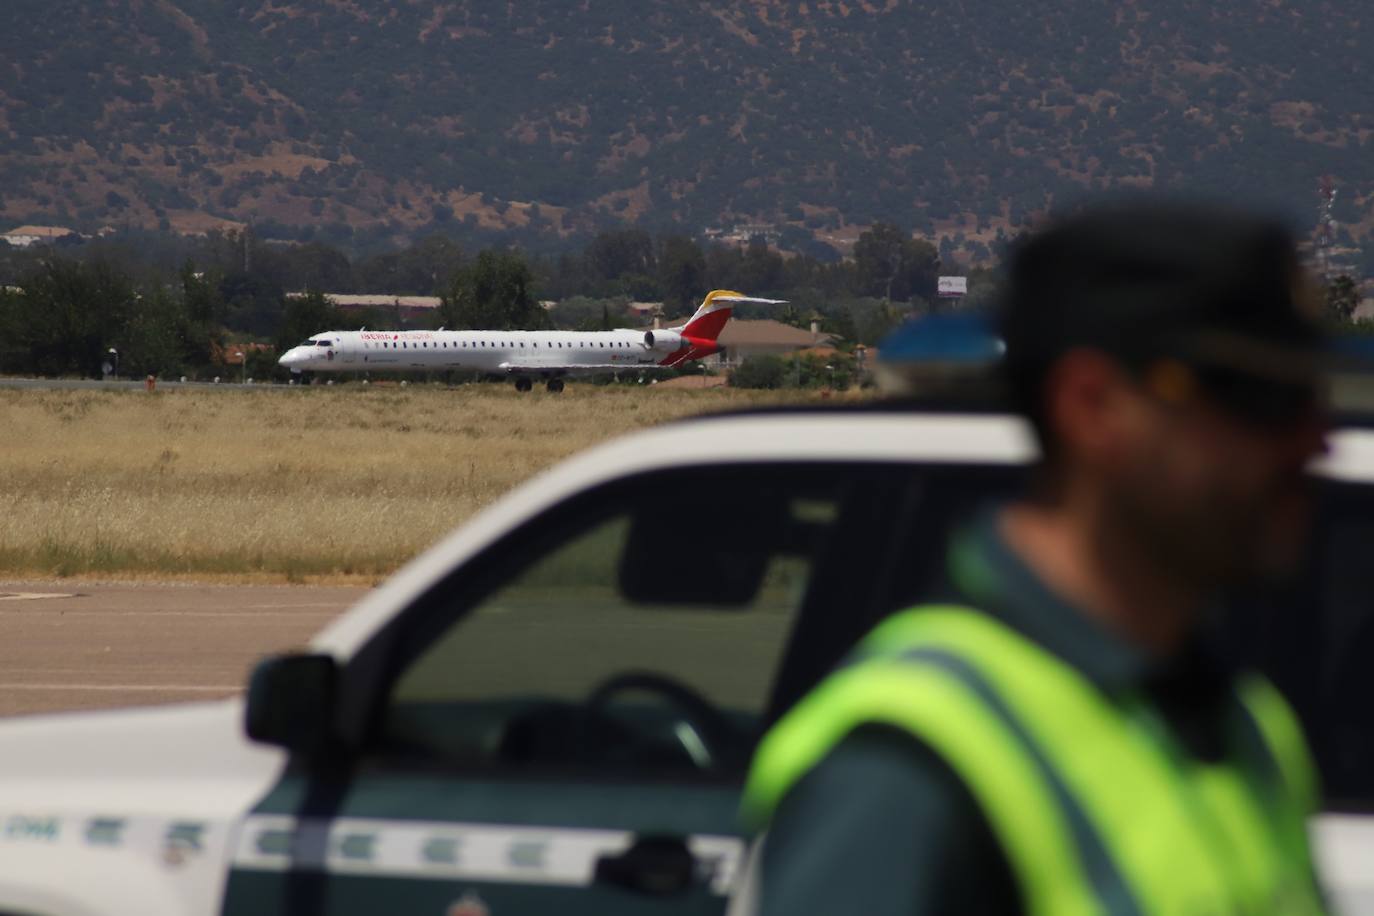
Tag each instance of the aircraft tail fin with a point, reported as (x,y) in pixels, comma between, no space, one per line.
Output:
(710,317)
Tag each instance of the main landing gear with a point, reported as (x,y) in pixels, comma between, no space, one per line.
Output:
(524,383)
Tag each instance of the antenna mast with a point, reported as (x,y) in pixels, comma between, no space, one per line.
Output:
(1326,200)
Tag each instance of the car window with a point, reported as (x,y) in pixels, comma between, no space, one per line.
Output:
(642,625)
(559,628)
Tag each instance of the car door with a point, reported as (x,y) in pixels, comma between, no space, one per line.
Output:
(1315,639)
(566,720)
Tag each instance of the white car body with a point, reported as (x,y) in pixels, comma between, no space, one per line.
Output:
(67,780)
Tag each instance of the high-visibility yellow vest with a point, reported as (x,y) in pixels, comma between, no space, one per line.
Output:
(1095,805)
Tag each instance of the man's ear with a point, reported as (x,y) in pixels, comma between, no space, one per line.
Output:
(1089,407)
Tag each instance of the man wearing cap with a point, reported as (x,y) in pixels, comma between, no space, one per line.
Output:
(1055,732)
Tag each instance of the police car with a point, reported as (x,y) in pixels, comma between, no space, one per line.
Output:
(553,709)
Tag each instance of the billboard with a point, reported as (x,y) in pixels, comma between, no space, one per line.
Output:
(951,286)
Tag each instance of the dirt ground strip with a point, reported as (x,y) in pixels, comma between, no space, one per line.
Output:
(70,645)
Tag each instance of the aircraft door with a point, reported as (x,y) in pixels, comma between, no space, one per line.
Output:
(348,350)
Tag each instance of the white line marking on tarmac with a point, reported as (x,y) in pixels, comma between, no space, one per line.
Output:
(33,596)
(323,604)
(124,688)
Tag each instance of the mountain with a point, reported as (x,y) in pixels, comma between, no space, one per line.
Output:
(558,115)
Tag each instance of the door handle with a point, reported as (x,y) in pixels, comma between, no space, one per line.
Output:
(654,865)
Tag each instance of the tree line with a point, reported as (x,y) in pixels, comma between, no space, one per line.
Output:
(169,306)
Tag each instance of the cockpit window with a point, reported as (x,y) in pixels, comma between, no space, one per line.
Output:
(322,343)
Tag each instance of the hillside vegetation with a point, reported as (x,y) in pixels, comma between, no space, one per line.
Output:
(544,116)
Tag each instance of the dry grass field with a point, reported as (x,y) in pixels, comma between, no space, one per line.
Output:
(332,484)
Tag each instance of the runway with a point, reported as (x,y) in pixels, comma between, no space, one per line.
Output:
(229,383)
(66,646)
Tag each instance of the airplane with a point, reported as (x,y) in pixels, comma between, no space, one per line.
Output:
(523,355)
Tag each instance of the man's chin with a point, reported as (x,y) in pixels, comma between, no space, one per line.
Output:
(1275,557)
(1278,561)
(1262,555)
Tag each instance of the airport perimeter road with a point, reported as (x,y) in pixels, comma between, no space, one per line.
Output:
(73,646)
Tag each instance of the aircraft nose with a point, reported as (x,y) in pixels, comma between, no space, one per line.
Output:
(291,358)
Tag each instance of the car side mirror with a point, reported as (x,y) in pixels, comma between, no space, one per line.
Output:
(291,702)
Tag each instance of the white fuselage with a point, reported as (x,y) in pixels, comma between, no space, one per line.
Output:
(547,353)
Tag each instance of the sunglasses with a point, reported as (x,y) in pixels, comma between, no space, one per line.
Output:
(1258,400)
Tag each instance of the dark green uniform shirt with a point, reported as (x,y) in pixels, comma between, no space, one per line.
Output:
(883,826)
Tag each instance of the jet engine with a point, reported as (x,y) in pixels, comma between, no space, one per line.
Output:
(665,341)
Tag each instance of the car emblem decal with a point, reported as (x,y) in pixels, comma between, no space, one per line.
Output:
(105,831)
(184,839)
(527,853)
(468,905)
(455,851)
(24,827)
(358,846)
(441,850)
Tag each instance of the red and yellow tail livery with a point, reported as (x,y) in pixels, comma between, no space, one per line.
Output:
(697,338)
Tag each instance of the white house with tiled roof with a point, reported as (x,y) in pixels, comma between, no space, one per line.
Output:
(25,236)
(743,338)
(407,307)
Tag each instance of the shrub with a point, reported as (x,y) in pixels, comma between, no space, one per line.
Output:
(760,372)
